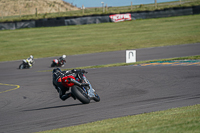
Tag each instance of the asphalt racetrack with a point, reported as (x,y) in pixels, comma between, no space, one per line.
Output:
(29,102)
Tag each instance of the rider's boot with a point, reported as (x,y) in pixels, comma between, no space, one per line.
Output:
(63,97)
(66,96)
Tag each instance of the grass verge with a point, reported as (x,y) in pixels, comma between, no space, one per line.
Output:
(93,38)
(176,120)
(127,64)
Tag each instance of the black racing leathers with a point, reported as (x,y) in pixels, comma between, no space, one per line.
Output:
(57,82)
(61,60)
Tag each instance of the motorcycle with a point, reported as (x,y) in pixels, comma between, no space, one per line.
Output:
(57,63)
(80,86)
(24,65)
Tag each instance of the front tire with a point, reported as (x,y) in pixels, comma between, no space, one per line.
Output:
(80,94)
(96,98)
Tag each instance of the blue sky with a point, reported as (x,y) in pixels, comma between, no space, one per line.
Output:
(97,3)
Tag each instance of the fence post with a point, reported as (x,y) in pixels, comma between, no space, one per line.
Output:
(155,3)
(58,9)
(102,6)
(36,12)
(2,14)
(180,2)
(106,7)
(82,9)
(20,13)
(131,5)
(19,9)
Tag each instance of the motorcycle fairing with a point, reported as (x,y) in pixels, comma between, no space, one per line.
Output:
(56,61)
(65,81)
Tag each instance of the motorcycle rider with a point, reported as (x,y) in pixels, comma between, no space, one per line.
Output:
(59,84)
(30,61)
(62,59)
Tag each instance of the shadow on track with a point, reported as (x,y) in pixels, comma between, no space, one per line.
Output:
(55,107)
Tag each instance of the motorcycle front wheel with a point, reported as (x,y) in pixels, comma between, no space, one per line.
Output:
(80,94)
(96,98)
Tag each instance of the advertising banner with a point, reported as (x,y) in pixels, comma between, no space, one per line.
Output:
(120,17)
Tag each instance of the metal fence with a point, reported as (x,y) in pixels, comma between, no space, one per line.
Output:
(135,6)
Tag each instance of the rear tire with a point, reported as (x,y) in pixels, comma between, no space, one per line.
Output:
(52,65)
(80,94)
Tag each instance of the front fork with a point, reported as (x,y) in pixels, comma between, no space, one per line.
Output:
(88,89)
(91,91)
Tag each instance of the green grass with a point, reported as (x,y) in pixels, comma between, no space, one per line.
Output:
(197,57)
(82,39)
(177,120)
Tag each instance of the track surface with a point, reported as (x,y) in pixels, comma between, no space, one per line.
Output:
(128,90)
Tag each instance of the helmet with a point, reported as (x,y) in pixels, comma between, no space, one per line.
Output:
(31,56)
(56,69)
(64,56)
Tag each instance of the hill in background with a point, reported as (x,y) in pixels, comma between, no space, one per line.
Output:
(19,10)
(26,7)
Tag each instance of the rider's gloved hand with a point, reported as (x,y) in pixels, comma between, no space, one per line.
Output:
(73,70)
(83,71)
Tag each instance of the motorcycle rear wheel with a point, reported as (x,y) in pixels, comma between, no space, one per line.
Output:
(21,66)
(80,94)
(52,65)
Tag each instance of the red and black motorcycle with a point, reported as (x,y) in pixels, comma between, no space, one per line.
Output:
(58,63)
(80,86)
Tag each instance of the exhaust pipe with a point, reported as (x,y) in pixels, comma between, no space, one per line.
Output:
(76,82)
